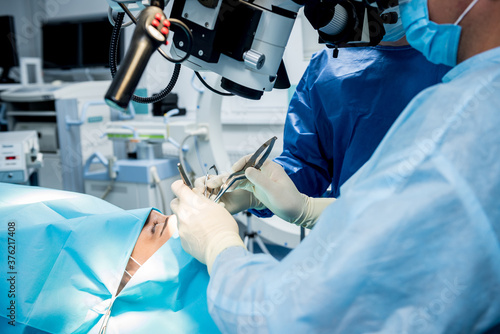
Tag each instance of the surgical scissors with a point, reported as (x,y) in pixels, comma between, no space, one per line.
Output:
(254,162)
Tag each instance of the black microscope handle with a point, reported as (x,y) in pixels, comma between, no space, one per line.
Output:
(151,31)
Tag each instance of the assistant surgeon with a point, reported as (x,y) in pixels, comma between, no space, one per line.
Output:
(412,245)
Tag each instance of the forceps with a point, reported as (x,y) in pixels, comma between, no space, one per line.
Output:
(184,176)
(206,179)
(252,162)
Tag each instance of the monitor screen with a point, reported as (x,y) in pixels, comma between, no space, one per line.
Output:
(78,44)
(8,54)
(60,45)
(96,37)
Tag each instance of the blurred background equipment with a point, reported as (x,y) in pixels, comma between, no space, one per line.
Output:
(68,127)
(137,174)
(20,157)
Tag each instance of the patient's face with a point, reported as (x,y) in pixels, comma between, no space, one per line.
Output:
(155,232)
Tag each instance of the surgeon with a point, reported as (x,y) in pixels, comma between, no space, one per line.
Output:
(81,265)
(412,244)
(340,112)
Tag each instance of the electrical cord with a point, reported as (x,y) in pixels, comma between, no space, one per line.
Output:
(112,20)
(210,88)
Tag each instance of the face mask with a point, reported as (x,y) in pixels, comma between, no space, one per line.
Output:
(438,42)
(393,32)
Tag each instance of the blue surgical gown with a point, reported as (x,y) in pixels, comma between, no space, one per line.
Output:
(413,243)
(342,109)
(68,254)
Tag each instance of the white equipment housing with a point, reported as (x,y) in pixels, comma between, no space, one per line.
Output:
(19,156)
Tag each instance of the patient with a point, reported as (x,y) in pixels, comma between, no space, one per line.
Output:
(82,265)
(154,234)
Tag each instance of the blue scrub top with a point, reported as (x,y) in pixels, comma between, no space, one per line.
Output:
(342,109)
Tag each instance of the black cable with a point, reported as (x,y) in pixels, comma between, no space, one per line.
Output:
(190,39)
(161,95)
(210,88)
(113,48)
(129,14)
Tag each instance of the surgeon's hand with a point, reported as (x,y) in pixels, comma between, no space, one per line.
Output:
(205,227)
(234,200)
(274,188)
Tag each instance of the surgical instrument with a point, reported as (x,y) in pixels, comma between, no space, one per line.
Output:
(252,162)
(184,176)
(206,179)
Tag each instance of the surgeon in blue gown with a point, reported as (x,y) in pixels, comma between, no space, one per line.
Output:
(343,107)
(341,110)
(81,265)
(412,245)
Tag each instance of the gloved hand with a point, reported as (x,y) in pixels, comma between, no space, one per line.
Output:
(234,200)
(205,227)
(274,188)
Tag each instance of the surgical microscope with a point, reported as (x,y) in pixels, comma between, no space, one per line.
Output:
(242,41)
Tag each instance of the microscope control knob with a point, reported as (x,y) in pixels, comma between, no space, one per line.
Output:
(254,60)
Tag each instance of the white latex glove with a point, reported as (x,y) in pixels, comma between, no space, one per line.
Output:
(205,227)
(234,201)
(274,188)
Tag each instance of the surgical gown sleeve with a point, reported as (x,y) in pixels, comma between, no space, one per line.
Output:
(411,246)
(306,156)
(307,153)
